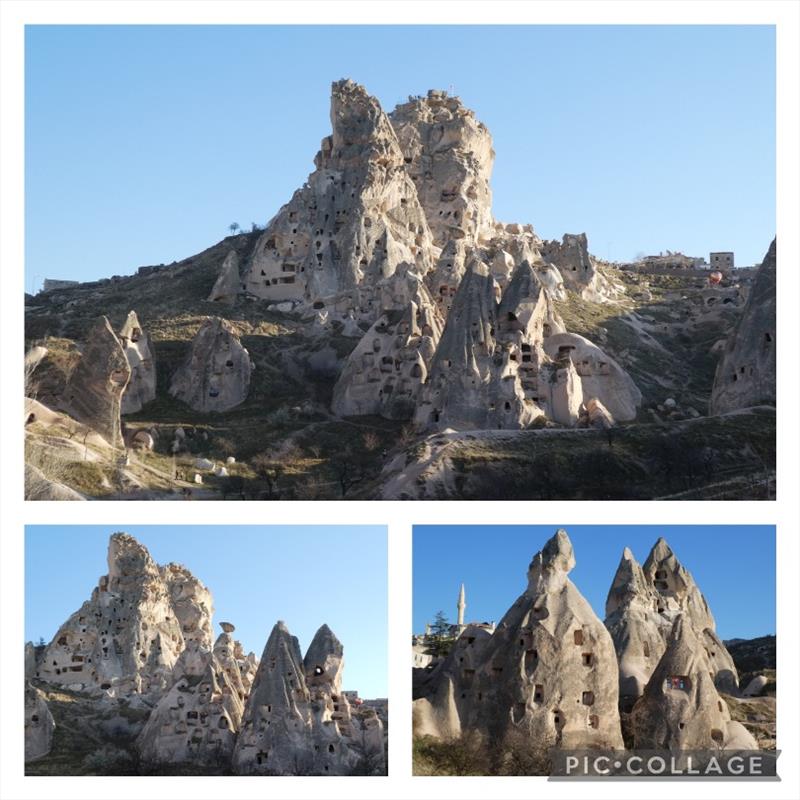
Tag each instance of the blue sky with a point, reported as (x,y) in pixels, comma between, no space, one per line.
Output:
(144,143)
(492,561)
(257,575)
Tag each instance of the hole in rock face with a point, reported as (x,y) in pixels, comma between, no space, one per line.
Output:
(318,670)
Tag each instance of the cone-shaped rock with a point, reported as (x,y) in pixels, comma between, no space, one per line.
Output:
(39,724)
(547,676)
(127,637)
(680,708)
(353,222)
(95,387)
(449,155)
(141,388)
(746,371)
(216,373)
(228,284)
(642,605)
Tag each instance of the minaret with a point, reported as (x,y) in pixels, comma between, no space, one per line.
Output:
(462,604)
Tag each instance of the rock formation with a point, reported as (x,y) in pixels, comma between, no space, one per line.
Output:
(228,285)
(642,606)
(385,372)
(39,487)
(39,724)
(593,374)
(352,223)
(547,676)
(197,720)
(127,637)
(141,388)
(680,708)
(577,267)
(215,375)
(505,365)
(746,374)
(95,387)
(448,154)
(297,721)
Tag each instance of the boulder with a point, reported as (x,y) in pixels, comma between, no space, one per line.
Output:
(39,724)
(215,376)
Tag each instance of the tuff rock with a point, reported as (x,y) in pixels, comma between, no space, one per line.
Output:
(228,285)
(215,376)
(96,385)
(127,637)
(642,606)
(680,708)
(746,373)
(547,676)
(141,388)
(39,724)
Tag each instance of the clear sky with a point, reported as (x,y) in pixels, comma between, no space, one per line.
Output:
(144,143)
(734,566)
(305,576)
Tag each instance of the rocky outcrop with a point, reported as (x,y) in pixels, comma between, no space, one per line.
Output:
(127,637)
(577,267)
(39,724)
(384,374)
(546,676)
(94,390)
(506,365)
(746,374)
(642,606)
(297,721)
(448,154)
(215,376)
(352,223)
(681,708)
(39,487)
(197,720)
(228,285)
(141,388)
(591,374)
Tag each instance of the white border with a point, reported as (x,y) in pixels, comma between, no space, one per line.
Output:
(13,15)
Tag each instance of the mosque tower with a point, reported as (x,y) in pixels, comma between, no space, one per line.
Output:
(462,604)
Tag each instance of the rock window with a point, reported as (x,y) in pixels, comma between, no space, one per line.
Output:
(223,722)
(646,649)
(717,736)
(587,698)
(588,659)
(538,693)
(331,748)
(594,721)
(719,704)
(191,715)
(679,682)
(531,659)
(262,756)
(578,636)
(318,670)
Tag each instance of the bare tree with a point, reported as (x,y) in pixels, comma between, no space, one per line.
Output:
(233,227)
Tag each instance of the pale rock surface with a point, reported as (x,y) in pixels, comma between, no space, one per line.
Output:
(755,686)
(352,223)
(228,284)
(681,708)
(96,385)
(642,606)
(127,637)
(596,375)
(448,154)
(215,375)
(141,388)
(39,487)
(547,675)
(385,372)
(39,724)
(577,267)
(746,372)
(197,719)
(297,721)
